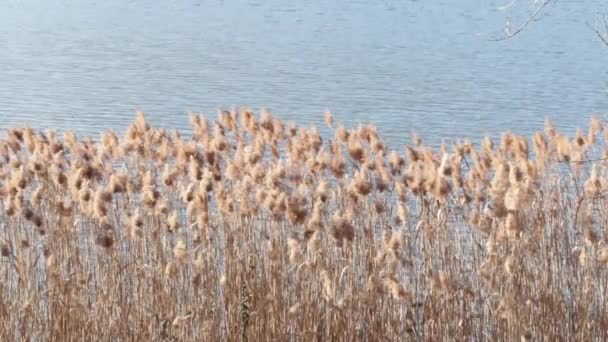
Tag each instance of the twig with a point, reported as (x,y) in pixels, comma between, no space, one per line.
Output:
(525,24)
(603,36)
(582,160)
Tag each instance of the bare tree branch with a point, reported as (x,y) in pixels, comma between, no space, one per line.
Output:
(602,35)
(532,17)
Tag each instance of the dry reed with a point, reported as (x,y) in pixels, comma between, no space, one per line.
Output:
(254,229)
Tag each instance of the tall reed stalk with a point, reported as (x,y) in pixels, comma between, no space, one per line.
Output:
(252,229)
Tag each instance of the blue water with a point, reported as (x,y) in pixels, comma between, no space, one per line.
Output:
(428,66)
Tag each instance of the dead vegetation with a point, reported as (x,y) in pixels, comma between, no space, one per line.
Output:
(253,229)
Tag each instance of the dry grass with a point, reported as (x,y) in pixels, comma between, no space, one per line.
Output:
(256,230)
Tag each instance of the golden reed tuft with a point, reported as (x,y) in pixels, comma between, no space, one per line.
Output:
(248,227)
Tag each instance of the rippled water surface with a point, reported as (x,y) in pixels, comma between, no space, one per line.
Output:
(428,66)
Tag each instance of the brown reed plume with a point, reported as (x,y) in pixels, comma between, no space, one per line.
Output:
(251,228)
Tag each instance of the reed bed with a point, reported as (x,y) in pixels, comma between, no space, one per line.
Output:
(252,229)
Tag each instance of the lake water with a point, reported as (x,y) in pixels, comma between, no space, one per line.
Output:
(428,66)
